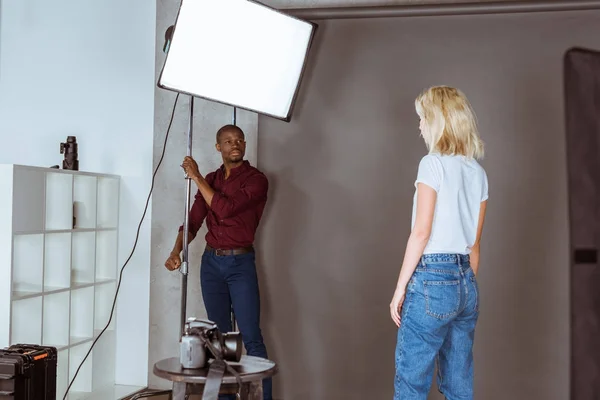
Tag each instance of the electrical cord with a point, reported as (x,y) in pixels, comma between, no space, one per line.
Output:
(132,250)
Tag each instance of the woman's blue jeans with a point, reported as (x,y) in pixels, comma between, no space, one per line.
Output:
(437,322)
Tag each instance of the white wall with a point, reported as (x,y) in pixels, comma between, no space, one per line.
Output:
(86,68)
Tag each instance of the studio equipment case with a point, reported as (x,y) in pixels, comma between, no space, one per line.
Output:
(28,372)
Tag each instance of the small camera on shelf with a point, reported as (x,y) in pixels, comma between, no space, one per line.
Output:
(69,149)
(202,341)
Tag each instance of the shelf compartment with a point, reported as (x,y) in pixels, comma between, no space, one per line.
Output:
(62,373)
(104,298)
(57,261)
(83,382)
(108,202)
(75,341)
(82,314)
(59,201)
(56,320)
(84,202)
(28,200)
(104,363)
(26,321)
(83,253)
(28,264)
(106,255)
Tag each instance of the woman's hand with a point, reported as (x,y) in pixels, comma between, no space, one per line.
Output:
(396,305)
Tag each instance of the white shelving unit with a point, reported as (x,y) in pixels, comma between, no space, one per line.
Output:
(58,270)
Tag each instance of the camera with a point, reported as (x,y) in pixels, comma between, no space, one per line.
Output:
(69,149)
(202,341)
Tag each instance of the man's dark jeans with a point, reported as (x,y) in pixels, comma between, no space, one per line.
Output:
(231,279)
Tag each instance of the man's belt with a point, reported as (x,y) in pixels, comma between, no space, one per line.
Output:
(229,252)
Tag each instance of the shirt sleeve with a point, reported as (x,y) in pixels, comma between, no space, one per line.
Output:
(252,192)
(484,188)
(430,172)
(199,211)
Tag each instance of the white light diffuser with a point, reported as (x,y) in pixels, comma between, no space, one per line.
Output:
(238,52)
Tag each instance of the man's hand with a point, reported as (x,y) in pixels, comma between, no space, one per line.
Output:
(191,168)
(173,262)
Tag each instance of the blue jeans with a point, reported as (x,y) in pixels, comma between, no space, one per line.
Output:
(227,280)
(437,322)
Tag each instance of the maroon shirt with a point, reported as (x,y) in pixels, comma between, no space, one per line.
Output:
(235,209)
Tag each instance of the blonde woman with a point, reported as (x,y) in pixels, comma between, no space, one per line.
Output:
(436,302)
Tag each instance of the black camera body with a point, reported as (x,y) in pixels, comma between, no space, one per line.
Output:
(202,341)
(69,149)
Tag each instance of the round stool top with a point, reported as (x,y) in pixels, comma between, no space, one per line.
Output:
(250,369)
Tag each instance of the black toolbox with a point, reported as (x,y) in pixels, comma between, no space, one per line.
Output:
(28,372)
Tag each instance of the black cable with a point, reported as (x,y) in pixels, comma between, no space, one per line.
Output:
(132,250)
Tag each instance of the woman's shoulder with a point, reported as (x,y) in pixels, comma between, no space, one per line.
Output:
(431,159)
(437,160)
(451,163)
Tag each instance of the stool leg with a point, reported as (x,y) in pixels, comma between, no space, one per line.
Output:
(254,391)
(259,390)
(179,391)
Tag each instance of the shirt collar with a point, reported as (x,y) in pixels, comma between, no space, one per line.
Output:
(237,170)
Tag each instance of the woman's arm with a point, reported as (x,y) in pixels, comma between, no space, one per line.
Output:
(426,198)
(474,256)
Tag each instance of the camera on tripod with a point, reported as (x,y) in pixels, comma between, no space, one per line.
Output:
(202,341)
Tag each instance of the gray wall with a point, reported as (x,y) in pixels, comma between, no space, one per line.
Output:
(342,172)
(168,198)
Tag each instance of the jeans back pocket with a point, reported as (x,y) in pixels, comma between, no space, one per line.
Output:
(442,298)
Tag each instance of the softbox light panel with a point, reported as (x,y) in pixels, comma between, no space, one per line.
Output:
(240,53)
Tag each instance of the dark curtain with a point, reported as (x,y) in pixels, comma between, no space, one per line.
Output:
(582,102)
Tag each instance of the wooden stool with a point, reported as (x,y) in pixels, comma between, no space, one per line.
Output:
(252,371)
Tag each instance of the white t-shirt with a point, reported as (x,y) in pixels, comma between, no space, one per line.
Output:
(461,185)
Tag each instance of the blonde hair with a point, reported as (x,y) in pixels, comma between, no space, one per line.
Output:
(451,126)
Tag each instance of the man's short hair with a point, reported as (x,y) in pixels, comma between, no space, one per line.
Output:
(230,127)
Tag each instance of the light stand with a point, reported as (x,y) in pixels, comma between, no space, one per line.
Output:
(233,322)
(184,269)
